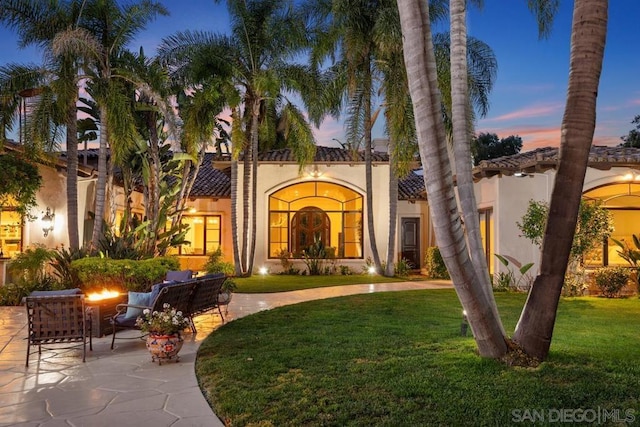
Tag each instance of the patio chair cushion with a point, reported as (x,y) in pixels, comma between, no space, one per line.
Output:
(127,322)
(74,291)
(137,298)
(155,289)
(178,276)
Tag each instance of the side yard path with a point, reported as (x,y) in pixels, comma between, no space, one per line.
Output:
(123,386)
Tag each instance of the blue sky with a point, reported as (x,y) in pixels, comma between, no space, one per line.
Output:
(530,90)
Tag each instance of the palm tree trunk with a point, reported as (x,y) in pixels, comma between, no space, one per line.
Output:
(72,176)
(101,184)
(588,35)
(368,173)
(246,197)
(393,211)
(234,217)
(420,63)
(461,144)
(254,182)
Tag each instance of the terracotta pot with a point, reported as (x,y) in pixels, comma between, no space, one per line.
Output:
(164,347)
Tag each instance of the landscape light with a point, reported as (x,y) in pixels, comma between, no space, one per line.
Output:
(464,326)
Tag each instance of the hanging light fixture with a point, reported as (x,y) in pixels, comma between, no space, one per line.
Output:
(47,221)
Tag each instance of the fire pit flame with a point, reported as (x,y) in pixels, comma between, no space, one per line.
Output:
(105,294)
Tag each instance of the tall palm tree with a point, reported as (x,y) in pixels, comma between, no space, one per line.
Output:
(105,28)
(421,72)
(588,35)
(265,37)
(37,23)
(345,29)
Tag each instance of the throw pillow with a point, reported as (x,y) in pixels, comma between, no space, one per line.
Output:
(137,298)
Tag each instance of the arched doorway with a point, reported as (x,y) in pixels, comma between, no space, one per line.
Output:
(308,226)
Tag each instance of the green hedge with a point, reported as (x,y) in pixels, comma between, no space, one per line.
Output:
(97,273)
(434,264)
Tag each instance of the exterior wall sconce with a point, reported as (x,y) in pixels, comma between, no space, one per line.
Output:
(47,221)
(520,174)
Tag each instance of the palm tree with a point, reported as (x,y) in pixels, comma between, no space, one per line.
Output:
(588,34)
(422,76)
(345,28)
(265,35)
(105,28)
(37,23)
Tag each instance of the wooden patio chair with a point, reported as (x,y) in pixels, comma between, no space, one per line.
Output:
(177,295)
(57,319)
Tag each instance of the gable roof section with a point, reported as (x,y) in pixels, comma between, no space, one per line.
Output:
(412,188)
(211,182)
(542,159)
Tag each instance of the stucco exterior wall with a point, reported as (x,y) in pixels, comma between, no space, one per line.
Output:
(53,194)
(509,196)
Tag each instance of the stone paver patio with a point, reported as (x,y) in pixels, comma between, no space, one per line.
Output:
(123,387)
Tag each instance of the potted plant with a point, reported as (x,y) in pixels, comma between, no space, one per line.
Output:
(164,339)
(226,292)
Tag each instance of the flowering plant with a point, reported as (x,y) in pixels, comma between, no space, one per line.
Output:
(166,322)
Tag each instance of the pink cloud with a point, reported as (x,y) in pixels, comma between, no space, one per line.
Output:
(529,112)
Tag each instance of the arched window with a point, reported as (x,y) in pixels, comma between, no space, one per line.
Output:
(623,201)
(301,214)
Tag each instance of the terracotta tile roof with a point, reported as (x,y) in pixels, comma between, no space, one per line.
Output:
(541,159)
(323,154)
(211,182)
(412,187)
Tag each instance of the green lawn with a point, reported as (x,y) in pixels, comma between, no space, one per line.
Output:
(397,359)
(283,282)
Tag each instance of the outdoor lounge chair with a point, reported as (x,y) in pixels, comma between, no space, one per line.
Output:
(57,319)
(177,295)
(205,297)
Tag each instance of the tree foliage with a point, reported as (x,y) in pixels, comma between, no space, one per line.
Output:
(595,224)
(632,139)
(19,183)
(487,146)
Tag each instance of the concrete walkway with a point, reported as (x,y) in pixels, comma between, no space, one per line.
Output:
(123,387)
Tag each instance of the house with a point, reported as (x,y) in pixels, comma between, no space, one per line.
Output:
(504,187)
(327,200)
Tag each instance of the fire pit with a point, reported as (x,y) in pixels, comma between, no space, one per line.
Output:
(103,307)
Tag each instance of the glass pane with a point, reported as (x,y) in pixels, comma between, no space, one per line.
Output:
(10,233)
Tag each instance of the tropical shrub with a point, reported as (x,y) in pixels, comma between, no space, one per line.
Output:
(96,273)
(594,225)
(315,256)
(61,266)
(575,283)
(217,264)
(286,263)
(632,256)
(403,267)
(434,264)
(30,266)
(504,281)
(345,270)
(611,280)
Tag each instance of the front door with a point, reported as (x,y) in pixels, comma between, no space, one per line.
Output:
(410,241)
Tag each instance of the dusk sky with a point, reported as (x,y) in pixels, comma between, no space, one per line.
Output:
(529,94)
